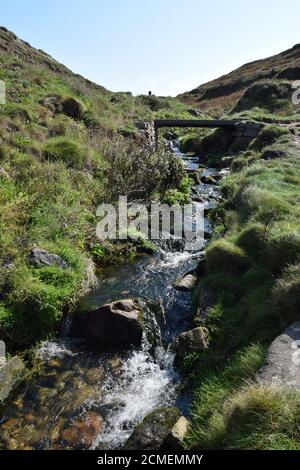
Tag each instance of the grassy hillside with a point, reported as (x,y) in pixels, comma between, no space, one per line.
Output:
(223,93)
(66,145)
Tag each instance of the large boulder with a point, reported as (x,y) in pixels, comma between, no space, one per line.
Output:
(41,258)
(11,373)
(114,326)
(195,340)
(152,432)
(282,363)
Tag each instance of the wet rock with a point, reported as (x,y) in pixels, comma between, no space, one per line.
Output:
(186,283)
(82,432)
(95,376)
(207,179)
(152,432)
(11,373)
(195,340)
(174,440)
(224,173)
(114,326)
(40,258)
(281,365)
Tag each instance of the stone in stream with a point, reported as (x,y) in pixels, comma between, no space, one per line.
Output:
(11,373)
(282,363)
(207,179)
(194,340)
(111,327)
(83,431)
(186,283)
(152,432)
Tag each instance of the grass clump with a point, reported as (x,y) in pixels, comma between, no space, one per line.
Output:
(252,239)
(72,153)
(269,135)
(213,387)
(257,418)
(282,250)
(224,256)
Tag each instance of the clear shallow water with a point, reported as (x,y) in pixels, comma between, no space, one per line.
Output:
(80,400)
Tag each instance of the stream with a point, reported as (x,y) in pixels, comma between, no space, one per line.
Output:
(83,400)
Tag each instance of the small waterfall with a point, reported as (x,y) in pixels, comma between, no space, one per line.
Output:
(144,384)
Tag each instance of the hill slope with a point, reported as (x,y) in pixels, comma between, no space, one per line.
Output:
(221,94)
(66,145)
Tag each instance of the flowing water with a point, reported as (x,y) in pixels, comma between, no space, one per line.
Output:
(82,400)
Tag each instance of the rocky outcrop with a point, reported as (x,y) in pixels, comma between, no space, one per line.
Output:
(282,363)
(186,283)
(111,327)
(195,340)
(152,432)
(41,258)
(147,131)
(11,373)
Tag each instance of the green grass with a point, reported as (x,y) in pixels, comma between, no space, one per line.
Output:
(253,272)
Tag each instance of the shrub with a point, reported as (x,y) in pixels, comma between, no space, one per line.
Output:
(71,152)
(180,195)
(152,101)
(226,257)
(286,294)
(283,250)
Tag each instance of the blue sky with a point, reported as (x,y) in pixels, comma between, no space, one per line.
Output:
(167,46)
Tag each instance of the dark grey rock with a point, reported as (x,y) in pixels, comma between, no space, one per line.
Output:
(115,326)
(282,363)
(152,432)
(40,258)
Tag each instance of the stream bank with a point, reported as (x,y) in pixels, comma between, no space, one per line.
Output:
(81,399)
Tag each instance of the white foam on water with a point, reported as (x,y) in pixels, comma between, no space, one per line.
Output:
(58,348)
(144,384)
